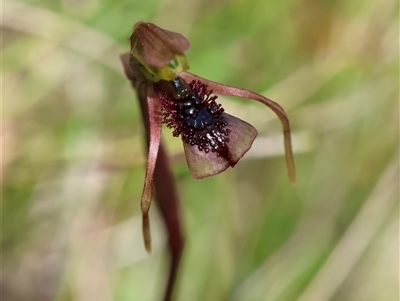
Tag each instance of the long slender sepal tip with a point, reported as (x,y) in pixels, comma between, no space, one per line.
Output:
(146,232)
(289,158)
(292,177)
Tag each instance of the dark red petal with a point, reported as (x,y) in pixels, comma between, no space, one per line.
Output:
(155,121)
(233,91)
(157,46)
(202,164)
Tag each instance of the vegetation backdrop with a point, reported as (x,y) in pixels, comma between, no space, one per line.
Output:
(73,153)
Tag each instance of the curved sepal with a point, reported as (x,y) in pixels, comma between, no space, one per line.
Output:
(155,122)
(159,52)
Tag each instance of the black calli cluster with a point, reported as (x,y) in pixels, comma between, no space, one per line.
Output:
(192,112)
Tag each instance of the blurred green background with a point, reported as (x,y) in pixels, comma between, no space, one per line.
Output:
(73,161)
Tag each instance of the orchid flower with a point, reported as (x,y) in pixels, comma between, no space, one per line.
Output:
(212,139)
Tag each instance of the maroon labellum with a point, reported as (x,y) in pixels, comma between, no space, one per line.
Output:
(213,140)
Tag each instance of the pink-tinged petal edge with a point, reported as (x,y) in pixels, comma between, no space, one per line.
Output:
(155,121)
(202,164)
(237,92)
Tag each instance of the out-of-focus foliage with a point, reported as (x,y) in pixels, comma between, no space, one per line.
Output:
(72,165)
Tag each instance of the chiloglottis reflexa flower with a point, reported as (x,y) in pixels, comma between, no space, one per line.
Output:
(212,139)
